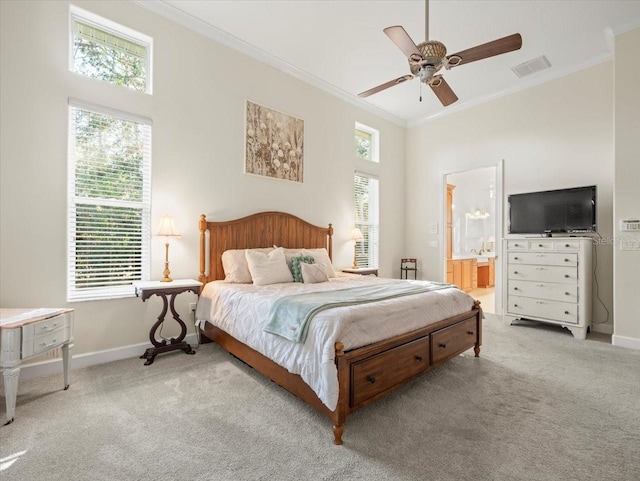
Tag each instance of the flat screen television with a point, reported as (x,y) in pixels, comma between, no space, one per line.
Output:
(553,211)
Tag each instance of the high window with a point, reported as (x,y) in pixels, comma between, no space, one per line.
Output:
(366,142)
(109,201)
(366,201)
(105,50)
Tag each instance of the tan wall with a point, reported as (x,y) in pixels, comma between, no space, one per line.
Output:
(627,186)
(556,135)
(197,109)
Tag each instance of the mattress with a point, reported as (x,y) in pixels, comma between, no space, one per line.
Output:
(242,310)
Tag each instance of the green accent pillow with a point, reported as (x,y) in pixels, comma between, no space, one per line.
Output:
(295,266)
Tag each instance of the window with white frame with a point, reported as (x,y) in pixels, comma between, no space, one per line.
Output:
(366,142)
(109,201)
(108,51)
(366,202)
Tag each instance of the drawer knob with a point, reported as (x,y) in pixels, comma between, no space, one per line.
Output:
(515,258)
(566,312)
(516,305)
(517,245)
(419,358)
(471,333)
(515,272)
(442,346)
(371,379)
(566,260)
(567,245)
(515,288)
(540,245)
(566,276)
(567,294)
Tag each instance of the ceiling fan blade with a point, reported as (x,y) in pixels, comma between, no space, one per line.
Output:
(490,49)
(384,86)
(443,91)
(401,38)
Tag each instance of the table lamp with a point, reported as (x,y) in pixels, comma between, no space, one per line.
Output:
(167,229)
(356,235)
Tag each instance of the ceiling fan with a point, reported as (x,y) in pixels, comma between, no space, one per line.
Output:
(427,58)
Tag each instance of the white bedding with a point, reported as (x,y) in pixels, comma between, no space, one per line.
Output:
(241,311)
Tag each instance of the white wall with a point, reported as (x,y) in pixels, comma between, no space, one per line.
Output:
(197,109)
(556,135)
(627,186)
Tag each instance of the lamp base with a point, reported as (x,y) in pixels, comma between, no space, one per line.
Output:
(166,279)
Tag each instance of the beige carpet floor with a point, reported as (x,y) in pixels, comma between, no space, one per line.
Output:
(537,405)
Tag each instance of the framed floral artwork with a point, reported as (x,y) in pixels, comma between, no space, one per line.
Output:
(274,143)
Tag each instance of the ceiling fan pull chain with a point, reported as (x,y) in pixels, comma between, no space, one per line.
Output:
(420,91)
(426,20)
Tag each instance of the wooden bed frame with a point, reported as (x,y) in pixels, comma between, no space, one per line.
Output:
(364,374)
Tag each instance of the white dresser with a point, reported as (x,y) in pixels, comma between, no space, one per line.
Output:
(25,333)
(549,280)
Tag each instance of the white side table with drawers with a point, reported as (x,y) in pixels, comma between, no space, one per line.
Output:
(26,333)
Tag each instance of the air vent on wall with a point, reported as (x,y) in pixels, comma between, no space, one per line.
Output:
(531,66)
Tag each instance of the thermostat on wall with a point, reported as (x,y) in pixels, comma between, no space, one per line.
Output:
(630,225)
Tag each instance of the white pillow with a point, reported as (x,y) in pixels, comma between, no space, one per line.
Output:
(290,254)
(322,258)
(234,264)
(268,268)
(313,273)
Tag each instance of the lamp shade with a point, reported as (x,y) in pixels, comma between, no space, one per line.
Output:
(356,235)
(167,227)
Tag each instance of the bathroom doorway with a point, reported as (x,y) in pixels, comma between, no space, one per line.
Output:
(473,229)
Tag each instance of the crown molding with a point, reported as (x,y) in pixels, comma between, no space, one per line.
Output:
(205,29)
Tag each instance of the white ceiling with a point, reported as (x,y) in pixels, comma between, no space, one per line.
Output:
(339,45)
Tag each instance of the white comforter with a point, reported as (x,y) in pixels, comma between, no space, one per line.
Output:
(241,310)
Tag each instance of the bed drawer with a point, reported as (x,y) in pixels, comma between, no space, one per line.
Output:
(387,369)
(453,340)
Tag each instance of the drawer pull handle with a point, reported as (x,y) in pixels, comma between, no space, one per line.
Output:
(566,312)
(442,346)
(419,358)
(541,302)
(539,285)
(49,328)
(541,268)
(50,344)
(371,379)
(471,333)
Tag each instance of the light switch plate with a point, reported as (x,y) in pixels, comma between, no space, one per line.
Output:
(433,243)
(433,228)
(630,242)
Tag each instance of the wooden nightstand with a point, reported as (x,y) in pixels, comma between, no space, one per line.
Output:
(363,271)
(145,290)
(27,333)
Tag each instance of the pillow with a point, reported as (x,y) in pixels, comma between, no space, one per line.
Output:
(234,264)
(295,266)
(313,273)
(268,268)
(290,254)
(321,257)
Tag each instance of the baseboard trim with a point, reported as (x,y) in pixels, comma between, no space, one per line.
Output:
(54,366)
(621,341)
(602,328)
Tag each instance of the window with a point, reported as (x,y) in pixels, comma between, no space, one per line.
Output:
(105,50)
(366,142)
(109,201)
(367,218)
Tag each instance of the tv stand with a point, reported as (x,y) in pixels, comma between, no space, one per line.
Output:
(549,280)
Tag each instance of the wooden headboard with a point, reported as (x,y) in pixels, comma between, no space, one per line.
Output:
(264,229)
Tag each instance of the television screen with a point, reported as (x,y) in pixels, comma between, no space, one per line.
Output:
(566,210)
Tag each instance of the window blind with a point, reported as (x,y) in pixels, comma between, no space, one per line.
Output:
(366,202)
(109,202)
(97,35)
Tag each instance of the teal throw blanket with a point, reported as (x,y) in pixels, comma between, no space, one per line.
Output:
(289,316)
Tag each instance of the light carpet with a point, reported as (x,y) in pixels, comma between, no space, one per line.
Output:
(537,405)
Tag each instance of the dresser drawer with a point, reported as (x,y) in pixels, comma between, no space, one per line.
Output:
(46,326)
(566,245)
(544,258)
(562,275)
(45,342)
(453,340)
(517,245)
(541,245)
(376,375)
(554,310)
(544,290)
